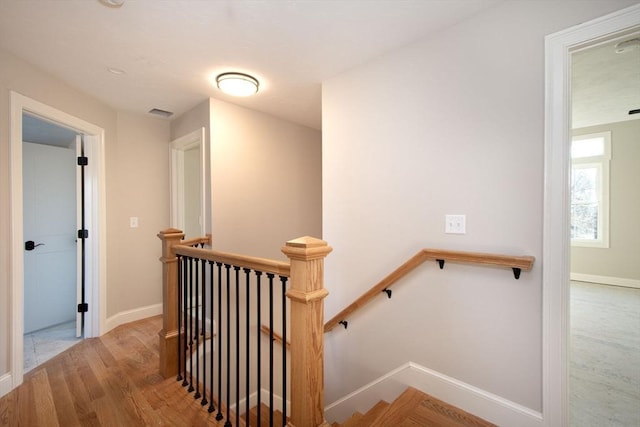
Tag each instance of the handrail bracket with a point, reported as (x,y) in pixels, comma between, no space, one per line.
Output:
(516,272)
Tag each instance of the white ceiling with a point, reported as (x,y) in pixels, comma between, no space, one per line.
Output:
(169,50)
(605,85)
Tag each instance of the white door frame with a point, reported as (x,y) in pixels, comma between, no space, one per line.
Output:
(557,165)
(177,148)
(95,221)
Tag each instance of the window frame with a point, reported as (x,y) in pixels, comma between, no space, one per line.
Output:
(602,165)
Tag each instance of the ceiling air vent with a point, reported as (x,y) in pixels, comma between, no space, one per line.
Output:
(159,112)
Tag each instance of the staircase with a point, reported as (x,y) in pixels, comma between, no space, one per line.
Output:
(414,408)
(194,276)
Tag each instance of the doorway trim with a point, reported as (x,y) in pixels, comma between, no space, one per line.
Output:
(96,223)
(557,166)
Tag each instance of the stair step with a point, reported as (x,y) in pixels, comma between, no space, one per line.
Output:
(400,409)
(353,421)
(415,408)
(372,414)
(264,416)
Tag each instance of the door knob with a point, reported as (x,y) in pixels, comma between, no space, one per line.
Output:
(30,245)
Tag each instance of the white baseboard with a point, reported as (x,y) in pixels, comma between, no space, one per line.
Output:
(6,383)
(481,403)
(132,315)
(606,280)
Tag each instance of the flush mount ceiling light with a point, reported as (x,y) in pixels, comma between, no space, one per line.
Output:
(112,3)
(628,45)
(116,71)
(237,84)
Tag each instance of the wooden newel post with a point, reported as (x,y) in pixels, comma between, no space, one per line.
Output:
(169,333)
(306,294)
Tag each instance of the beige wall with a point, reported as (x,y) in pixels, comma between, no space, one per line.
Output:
(266,180)
(19,76)
(620,260)
(139,178)
(136,184)
(192,120)
(452,124)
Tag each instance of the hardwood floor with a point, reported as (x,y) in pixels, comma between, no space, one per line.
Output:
(108,381)
(114,381)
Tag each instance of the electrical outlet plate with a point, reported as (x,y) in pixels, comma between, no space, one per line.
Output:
(455,224)
(133,222)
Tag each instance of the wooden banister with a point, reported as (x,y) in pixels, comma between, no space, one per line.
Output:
(517,263)
(276,337)
(307,295)
(168,336)
(245,261)
(206,240)
(171,240)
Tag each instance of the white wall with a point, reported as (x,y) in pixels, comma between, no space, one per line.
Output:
(452,124)
(266,180)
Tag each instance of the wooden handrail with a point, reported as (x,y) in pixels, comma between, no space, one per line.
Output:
(280,268)
(206,240)
(276,337)
(517,263)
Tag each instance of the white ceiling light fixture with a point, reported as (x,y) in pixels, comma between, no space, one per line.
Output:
(237,84)
(112,3)
(628,45)
(116,71)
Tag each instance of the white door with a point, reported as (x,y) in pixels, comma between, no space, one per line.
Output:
(49,203)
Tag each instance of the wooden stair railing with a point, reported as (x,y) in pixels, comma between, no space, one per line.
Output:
(306,294)
(516,263)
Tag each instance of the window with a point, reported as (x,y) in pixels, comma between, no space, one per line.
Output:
(590,156)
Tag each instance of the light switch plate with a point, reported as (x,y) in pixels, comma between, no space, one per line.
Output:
(455,224)
(133,222)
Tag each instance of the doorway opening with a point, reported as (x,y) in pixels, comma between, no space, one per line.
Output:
(556,230)
(95,225)
(604,338)
(53,260)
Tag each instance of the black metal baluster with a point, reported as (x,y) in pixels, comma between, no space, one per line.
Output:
(237,314)
(196,332)
(283,280)
(212,359)
(228,354)
(204,401)
(190,389)
(247,368)
(219,415)
(270,276)
(258,345)
(179,376)
(185,284)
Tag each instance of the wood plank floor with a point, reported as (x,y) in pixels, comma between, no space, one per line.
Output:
(108,381)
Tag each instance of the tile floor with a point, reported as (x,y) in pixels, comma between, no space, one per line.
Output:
(42,345)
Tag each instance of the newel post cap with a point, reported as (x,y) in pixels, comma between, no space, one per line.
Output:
(306,248)
(170,233)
